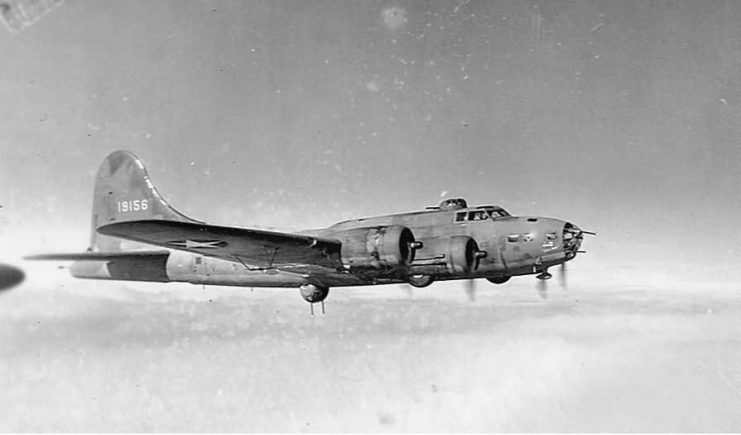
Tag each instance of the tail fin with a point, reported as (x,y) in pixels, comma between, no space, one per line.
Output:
(124,192)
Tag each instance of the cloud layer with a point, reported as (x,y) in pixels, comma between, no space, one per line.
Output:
(189,359)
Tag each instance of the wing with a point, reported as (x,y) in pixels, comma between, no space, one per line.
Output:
(253,248)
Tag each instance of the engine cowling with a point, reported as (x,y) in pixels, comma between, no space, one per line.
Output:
(498,279)
(377,248)
(462,254)
(420,281)
(456,255)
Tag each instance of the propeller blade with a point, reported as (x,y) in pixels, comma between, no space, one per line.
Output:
(409,290)
(471,289)
(478,255)
(542,286)
(543,289)
(562,276)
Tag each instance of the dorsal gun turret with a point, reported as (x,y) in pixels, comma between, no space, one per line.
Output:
(452,204)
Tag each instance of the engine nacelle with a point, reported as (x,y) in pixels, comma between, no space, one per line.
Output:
(377,248)
(455,255)
(498,279)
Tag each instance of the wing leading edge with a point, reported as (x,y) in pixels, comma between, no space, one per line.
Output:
(253,248)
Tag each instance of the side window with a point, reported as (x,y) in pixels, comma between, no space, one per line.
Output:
(513,238)
(478,215)
(460,217)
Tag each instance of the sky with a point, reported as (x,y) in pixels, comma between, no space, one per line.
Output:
(619,116)
(622,117)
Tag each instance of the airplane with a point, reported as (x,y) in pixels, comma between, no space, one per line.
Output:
(450,241)
(10,276)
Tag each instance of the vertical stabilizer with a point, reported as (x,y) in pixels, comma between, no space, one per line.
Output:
(124,192)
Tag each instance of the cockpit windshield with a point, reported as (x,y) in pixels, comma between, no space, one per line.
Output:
(481,214)
(498,212)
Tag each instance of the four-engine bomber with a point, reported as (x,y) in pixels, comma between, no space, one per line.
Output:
(445,242)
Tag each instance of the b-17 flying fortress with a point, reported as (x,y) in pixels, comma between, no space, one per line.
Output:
(451,241)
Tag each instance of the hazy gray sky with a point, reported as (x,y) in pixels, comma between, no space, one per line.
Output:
(621,116)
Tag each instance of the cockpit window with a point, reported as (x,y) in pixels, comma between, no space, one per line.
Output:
(481,214)
(473,215)
(495,211)
(478,215)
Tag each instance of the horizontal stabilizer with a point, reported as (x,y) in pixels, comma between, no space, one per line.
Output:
(98,256)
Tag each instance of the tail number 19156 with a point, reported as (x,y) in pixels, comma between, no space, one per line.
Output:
(133,205)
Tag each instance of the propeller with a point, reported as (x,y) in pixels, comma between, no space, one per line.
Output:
(409,290)
(477,256)
(470,287)
(545,276)
(562,276)
(542,288)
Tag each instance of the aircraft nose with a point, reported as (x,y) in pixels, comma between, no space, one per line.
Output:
(572,238)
